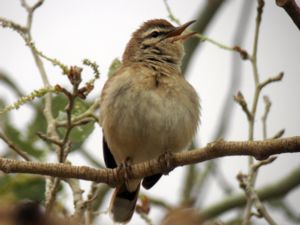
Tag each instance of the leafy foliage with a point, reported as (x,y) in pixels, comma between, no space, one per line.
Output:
(14,188)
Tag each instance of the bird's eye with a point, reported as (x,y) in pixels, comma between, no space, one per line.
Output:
(154,34)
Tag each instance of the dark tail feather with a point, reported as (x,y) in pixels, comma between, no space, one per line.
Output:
(123,203)
(148,182)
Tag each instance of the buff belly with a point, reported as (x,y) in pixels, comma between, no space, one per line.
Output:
(142,124)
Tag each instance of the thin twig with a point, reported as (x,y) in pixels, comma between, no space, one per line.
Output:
(204,17)
(201,37)
(64,68)
(276,190)
(25,99)
(6,23)
(17,150)
(52,184)
(171,16)
(258,87)
(265,116)
(253,58)
(279,134)
(88,113)
(239,98)
(271,80)
(247,183)
(48,139)
(262,209)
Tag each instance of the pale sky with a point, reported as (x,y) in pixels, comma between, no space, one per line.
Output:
(99,30)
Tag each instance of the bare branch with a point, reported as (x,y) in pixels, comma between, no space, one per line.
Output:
(271,80)
(5,23)
(262,210)
(277,189)
(14,148)
(258,149)
(51,140)
(52,185)
(247,183)
(253,58)
(265,116)
(30,10)
(292,9)
(79,203)
(239,98)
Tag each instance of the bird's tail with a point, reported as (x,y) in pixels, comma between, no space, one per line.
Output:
(123,203)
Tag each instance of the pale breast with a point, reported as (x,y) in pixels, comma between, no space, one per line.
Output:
(143,119)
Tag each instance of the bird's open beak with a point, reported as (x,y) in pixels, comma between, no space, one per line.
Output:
(177,32)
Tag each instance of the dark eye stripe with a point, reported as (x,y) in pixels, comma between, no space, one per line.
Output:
(155,34)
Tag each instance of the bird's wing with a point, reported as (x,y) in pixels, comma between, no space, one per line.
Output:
(108,157)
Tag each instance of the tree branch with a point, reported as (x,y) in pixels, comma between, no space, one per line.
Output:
(272,191)
(292,9)
(258,149)
(13,147)
(205,17)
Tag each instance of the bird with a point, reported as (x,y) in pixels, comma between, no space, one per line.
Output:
(147,108)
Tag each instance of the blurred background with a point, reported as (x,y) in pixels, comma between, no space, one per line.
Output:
(99,30)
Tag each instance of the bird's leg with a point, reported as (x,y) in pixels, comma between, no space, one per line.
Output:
(166,160)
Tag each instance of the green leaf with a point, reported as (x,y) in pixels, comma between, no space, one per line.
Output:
(59,103)
(80,133)
(20,141)
(17,187)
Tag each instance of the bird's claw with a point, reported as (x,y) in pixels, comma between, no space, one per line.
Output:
(125,169)
(166,160)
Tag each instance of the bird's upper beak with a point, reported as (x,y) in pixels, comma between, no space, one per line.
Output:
(177,32)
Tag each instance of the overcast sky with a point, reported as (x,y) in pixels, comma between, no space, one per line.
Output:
(71,30)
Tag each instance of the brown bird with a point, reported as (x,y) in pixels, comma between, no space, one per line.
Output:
(147,108)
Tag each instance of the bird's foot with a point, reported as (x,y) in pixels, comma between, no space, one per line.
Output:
(166,160)
(215,143)
(125,169)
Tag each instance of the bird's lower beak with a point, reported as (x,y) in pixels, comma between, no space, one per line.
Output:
(177,32)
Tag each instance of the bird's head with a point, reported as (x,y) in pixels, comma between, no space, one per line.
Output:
(157,41)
